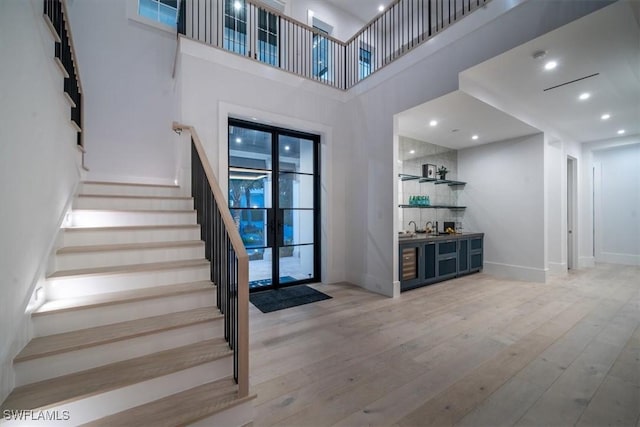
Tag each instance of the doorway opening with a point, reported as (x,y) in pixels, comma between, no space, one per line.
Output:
(274,198)
(572,199)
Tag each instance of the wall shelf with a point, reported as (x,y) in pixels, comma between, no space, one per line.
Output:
(432,207)
(450,183)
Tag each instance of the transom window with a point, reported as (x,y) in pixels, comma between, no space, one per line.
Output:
(163,11)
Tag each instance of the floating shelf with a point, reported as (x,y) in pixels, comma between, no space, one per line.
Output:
(432,207)
(450,183)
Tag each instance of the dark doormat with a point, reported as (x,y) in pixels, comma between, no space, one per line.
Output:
(279,299)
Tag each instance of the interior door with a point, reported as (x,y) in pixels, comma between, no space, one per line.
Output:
(274,200)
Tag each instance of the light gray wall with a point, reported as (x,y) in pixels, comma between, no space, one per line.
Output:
(215,86)
(505,199)
(38,166)
(130,98)
(617,204)
(344,24)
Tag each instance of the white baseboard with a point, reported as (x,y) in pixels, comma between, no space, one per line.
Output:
(372,284)
(396,289)
(615,258)
(558,268)
(516,272)
(106,177)
(586,262)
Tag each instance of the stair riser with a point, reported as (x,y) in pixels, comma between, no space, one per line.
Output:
(68,321)
(103,404)
(44,368)
(71,261)
(89,218)
(131,204)
(116,236)
(77,286)
(235,416)
(131,190)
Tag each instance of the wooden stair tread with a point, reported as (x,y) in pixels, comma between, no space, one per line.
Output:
(135,227)
(71,387)
(179,409)
(124,196)
(129,246)
(113,298)
(83,338)
(130,268)
(133,184)
(135,210)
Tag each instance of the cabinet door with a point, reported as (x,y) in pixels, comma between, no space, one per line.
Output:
(463,256)
(476,254)
(430,261)
(410,266)
(447,259)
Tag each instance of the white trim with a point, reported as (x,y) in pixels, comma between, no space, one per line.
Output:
(226,110)
(133,15)
(617,258)
(586,262)
(558,268)
(516,272)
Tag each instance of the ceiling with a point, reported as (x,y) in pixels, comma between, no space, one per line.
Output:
(459,117)
(605,44)
(365,10)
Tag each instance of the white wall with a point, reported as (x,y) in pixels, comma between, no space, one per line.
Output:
(617,204)
(505,199)
(38,166)
(216,85)
(555,204)
(344,24)
(129,93)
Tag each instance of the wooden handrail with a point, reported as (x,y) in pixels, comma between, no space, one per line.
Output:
(243,262)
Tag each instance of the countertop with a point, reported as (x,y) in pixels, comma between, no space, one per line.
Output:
(431,238)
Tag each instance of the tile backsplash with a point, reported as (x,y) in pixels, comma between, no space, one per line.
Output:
(426,153)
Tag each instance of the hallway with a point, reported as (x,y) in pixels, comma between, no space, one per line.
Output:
(471,351)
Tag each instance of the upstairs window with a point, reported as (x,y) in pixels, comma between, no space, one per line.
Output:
(162,11)
(364,63)
(235,26)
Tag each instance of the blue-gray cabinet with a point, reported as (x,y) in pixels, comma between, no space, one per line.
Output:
(429,260)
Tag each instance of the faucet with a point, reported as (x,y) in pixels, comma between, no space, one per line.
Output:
(414,225)
(426,226)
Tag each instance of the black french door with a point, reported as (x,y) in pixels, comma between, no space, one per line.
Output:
(274,198)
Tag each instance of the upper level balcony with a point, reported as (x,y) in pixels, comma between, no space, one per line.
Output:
(266,35)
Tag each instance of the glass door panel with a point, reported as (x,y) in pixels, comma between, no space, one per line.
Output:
(297,263)
(298,227)
(278,219)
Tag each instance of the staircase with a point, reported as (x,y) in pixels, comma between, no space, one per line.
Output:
(130,333)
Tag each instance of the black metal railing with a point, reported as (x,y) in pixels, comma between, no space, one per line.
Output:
(266,35)
(229,263)
(55,14)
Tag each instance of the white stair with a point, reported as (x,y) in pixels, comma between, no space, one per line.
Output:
(130,321)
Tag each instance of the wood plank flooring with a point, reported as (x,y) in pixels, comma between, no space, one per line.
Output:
(475,351)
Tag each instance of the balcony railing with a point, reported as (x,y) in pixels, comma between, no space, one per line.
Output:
(265,35)
(56,17)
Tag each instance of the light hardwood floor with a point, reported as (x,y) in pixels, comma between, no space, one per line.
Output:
(475,351)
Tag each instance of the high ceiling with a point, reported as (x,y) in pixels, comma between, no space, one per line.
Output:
(604,45)
(459,117)
(365,10)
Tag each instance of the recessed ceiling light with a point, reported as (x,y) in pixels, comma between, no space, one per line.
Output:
(621,132)
(474,137)
(606,116)
(287,148)
(433,123)
(380,8)
(550,65)
(239,140)
(237,5)
(412,152)
(584,96)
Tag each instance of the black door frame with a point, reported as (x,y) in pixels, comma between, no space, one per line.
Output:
(275,220)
